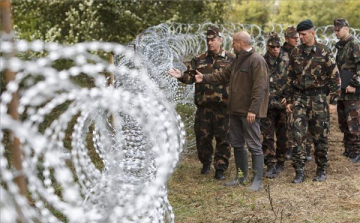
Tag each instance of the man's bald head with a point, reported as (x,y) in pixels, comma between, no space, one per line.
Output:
(241,41)
(243,36)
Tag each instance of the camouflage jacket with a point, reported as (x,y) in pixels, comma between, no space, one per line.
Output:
(286,48)
(312,67)
(348,58)
(277,79)
(209,95)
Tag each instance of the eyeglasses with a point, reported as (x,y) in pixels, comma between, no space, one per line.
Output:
(274,47)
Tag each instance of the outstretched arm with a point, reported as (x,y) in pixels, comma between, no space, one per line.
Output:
(175,73)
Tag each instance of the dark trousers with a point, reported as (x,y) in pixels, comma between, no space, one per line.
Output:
(210,123)
(242,132)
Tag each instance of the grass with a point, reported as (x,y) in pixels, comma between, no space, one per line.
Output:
(198,198)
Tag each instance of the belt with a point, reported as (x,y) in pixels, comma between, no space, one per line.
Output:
(314,91)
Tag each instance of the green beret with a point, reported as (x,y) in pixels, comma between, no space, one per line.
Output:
(304,25)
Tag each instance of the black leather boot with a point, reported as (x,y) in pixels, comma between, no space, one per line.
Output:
(205,169)
(354,157)
(257,165)
(271,171)
(219,175)
(300,176)
(280,165)
(320,175)
(241,162)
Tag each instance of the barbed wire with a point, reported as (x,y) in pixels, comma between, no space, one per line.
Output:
(134,131)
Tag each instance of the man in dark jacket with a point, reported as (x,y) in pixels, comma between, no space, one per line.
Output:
(348,107)
(211,119)
(248,101)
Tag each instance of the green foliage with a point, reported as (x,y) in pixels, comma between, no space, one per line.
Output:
(113,21)
(251,12)
(322,13)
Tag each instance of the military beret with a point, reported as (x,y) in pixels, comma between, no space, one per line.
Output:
(212,32)
(339,23)
(274,39)
(291,32)
(304,25)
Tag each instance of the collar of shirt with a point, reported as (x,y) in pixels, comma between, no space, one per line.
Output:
(222,53)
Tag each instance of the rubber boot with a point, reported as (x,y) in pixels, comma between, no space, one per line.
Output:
(241,162)
(257,165)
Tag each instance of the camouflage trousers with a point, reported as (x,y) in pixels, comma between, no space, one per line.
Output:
(311,114)
(210,123)
(274,124)
(349,124)
(290,134)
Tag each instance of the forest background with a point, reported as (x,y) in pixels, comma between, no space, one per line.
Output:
(73,21)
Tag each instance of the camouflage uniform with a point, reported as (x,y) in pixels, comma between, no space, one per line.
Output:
(312,76)
(211,119)
(286,50)
(348,58)
(276,121)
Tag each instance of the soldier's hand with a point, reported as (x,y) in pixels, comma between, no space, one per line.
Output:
(283,101)
(350,89)
(332,109)
(289,108)
(250,117)
(175,73)
(199,77)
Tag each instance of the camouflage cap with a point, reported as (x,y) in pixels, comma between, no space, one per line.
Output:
(339,23)
(273,40)
(291,32)
(213,31)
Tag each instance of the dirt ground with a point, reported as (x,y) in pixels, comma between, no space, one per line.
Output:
(199,198)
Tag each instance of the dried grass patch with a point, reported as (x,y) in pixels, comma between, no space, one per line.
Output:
(198,198)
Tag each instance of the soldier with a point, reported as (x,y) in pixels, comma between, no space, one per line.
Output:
(276,121)
(348,62)
(248,102)
(291,41)
(211,118)
(313,75)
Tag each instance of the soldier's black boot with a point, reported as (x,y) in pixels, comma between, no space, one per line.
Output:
(271,171)
(205,169)
(320,175)
(300,176)
(280,165)
(219,175)
(257,165)
(354,157)
(241,163)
